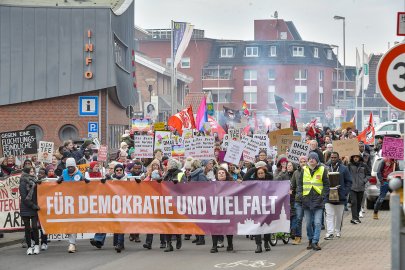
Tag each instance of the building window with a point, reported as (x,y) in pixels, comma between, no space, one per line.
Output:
(250,75)
(227,52)
(216,74)
(300,74)
(273,51)
(329,54)
(300,96)
(272,74)
(39,132)
(298,51)
(321,74)
(316,52)
(168,62)
(320,97)
(250,94)
(68,132)
(157,60)
(221,96)
(334,76)
(270,94)
(185,62)
(114,134)
(252,52)
(120,51)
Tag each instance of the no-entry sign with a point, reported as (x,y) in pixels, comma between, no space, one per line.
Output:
(391,77)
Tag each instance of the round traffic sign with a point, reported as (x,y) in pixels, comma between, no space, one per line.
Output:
(391,77)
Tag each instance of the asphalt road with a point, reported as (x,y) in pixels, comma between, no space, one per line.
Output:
(136,257)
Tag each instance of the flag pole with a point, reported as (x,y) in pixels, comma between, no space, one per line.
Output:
(173,74)
(362,90)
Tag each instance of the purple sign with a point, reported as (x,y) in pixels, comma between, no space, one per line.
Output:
(393,148)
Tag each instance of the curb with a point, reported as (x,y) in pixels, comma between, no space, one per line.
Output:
(10,243)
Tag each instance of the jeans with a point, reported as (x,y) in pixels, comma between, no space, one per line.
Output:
(258,238)
(383,191)
(31,225)
(357,198)
(314,223)
(297,220)
(72,238)
(149,239)
(118,239)
(100,237)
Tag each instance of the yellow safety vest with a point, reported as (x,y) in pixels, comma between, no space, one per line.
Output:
(315,181)
(179,176)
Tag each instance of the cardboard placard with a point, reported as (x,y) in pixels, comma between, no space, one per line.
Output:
(102,153)
(45,151)
(225,142)
(346,125)
(284,142)
(167,147)
(83,168)
(143,146)
(234,152)
(159,126)
(346,147)
(19,143)
(159,137)
(274,134)
(393,148)
(234,134)
(297,150)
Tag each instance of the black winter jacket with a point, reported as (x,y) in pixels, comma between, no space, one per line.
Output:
(314,200)
(28,193)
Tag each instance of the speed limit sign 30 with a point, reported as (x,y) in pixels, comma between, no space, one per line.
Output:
(391,77)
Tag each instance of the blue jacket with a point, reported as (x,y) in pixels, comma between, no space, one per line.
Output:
(345,182)
(77,176)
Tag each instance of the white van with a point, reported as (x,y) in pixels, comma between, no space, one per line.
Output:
(394,128)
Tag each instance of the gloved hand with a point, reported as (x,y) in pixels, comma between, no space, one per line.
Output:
(86,180)
(159,180)
(60,180)
(175,181)
(35,207)
(138,180)
(103,180)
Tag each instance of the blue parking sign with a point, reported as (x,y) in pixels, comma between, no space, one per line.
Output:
(92,127)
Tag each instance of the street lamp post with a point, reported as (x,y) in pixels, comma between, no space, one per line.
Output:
(344,53)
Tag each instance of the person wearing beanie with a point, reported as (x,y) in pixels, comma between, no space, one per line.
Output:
(87,157)
(334,208)
(94,171)
(313,148)
(62,164)
(71,174)
(210,169)
(50,171)
(313,189)
(281,171)
(29,208)
(174,175)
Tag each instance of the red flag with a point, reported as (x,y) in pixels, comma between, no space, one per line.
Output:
(367,135)
(312,130)
(293,122)
(215,127)
(182,120)
(283,107)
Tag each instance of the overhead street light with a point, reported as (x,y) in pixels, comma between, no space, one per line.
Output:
(344,52)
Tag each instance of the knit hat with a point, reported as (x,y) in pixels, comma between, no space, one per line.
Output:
(92,164)
(119,165)
(225,166)
(173,164)
(124,144)
(260,164)
(70,162)
(313,155)
(281,159)
(49,167)
(155,175)
(187,164)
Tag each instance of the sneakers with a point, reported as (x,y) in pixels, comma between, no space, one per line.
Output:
(355,221)
(328,237)
(44,246)
(72,248)
(361,214)
(169,247)
(95,243)
(214,250)
(338,235)
(375,216)
(220,244)
(36,250)
(297,241)
(30,251)
(118,248)
(147,246)
(316,247)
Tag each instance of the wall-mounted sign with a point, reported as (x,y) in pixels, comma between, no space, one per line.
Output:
(88,48)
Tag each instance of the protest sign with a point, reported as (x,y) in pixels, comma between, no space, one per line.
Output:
(234,134)
(393,148)
(159,126)
(83,168)
(264,143)
(178,150)
(274,134)
(96,143)
(199,147)
(187,134)
(102,153)
(346,125)
(297,150)
(217,208)
(143,146)
(346,147)
(167,147)
(284,143)
(141,125)
(159,137)
(10,219)
(251,149)
(19,143)
(225,142)
(234,152)
(45,151)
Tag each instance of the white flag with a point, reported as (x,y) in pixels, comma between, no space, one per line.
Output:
(182,45)
(365,71)
(358,73)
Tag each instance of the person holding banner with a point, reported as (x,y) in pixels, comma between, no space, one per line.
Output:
(222,175)
(71,174)
(299,213)
(313,189)
(28,208)
(94,171)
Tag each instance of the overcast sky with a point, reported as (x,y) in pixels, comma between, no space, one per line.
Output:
(368,22)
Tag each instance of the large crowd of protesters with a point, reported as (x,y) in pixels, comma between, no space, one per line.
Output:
(313,194)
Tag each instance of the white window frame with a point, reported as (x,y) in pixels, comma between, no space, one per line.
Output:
(220,96)
(252,51)
(250,89)
(251,78)
(300,90)
(268,74)
(302,72)
(273,51)
(321,97)
(316,52)
(329,54)
(168,62)
(271,91)
(321,75)
(226,52)
(184,61)
(298,51)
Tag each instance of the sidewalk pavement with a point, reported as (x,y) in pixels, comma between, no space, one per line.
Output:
(362,246)
(10,239)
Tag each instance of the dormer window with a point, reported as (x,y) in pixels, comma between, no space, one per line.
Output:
(227,52)
(273,51)
(316,52)
(298,51)
(252,52)
(329,54)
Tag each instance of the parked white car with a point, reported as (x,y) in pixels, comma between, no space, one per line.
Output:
(394,128)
